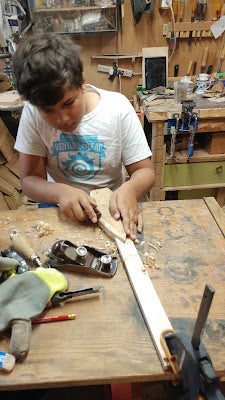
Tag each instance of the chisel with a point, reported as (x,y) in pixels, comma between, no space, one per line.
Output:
(21,244)
(204,59)
(211,60)
(194,5)
(189,69)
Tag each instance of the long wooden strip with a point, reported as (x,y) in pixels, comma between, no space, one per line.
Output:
(217,212)
(147,298)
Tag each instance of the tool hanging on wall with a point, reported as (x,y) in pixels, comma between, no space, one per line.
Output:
(211,60)
(194,5)
(204,59)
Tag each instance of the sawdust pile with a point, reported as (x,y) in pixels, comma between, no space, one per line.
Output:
(43,228)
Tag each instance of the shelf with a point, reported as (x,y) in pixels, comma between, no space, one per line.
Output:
(76,18)
(198,29)
(200,155)
(66,9)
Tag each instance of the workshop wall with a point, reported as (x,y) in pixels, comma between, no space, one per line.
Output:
(147,33)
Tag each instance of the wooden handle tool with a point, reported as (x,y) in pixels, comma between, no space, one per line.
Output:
(21,244)
(189,69)
(204,59)
(211,60)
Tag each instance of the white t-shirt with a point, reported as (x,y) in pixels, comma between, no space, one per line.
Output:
(90,157)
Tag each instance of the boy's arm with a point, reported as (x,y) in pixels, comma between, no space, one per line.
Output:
(123,203)
(74,203)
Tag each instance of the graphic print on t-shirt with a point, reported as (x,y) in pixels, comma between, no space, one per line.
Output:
(79,156)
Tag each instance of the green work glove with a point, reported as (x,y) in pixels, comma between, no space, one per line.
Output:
(23,297)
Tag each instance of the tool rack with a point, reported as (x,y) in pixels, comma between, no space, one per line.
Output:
(183,29)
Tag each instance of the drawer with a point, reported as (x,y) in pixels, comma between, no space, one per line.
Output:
(194,174)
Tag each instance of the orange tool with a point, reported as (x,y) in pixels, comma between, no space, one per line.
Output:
(211,60)
(218,6)
(181,14)
(175,9)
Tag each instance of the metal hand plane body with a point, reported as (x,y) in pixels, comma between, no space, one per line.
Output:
(68,256)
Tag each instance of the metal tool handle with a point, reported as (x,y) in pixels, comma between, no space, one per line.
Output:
(202,315)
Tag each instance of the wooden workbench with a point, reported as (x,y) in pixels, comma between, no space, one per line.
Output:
(108,342)
(202,171)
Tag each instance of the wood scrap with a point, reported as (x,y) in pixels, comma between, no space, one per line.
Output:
(6,142)
(3,204)
(113,228)
(10,177)
(6,187)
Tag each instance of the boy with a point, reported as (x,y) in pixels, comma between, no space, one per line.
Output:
(73,138)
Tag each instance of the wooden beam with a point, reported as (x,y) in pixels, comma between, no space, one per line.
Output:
(152,310)
(147,298)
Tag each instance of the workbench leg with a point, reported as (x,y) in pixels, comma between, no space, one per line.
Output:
(126,391)
(220,196)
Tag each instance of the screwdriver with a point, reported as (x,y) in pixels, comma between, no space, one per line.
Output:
(198,13)
(181,13)
(204,58)
(194,5)
(211,60)
(175,9)
(204,7)
(217,5)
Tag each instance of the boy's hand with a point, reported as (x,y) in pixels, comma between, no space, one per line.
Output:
(123,204)
(77,204)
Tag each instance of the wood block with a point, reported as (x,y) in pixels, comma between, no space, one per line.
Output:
(6,142)
(106,222)
(6,187)
(215,143)
(10,177)
(7,361)
(3,204)
(13,201)
(13,164)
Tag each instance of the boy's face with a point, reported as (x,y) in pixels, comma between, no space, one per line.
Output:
(67,113)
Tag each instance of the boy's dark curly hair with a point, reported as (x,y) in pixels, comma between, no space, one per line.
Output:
(46,65)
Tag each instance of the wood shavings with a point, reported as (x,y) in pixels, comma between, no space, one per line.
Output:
(150,260)
(152,245)
(43,228)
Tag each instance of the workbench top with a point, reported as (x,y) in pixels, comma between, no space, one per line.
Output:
(108,342)
(163,109)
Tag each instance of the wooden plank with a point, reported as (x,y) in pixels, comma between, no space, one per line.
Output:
(151,307)
(13,164)
(187,187)
(6,141)
(216,212)
(113,228)
(10,177)
(6,187)
(13,201)
(147,298)
(3,203)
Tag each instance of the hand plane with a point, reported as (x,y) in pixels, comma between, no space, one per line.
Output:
(65,255)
